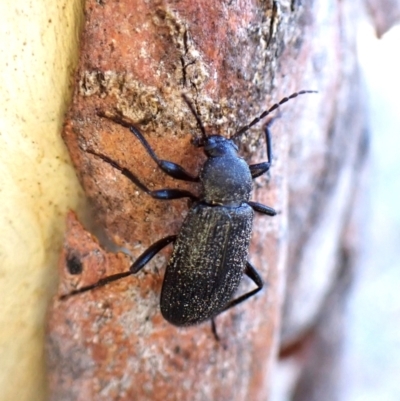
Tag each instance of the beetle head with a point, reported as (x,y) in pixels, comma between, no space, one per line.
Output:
(217,145)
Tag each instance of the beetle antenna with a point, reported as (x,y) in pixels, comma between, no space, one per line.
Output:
(270,110)
(199,123)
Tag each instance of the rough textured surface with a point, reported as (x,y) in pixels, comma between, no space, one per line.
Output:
(137,58)
(384,13)
(233,59)
(110,352)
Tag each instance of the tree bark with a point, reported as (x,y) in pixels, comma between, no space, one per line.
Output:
(233,60)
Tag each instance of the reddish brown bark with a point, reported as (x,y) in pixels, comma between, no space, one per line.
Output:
(233,59)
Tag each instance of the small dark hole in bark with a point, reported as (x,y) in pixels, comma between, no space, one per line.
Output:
(74,265)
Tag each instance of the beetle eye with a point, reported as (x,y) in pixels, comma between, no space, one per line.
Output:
(210,145)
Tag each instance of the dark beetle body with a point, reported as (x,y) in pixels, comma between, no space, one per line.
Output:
(211,250)
(207,263)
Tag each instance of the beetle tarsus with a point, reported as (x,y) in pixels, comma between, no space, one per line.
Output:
(214,330)
(251,273)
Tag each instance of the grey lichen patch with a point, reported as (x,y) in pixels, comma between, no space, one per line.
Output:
(138,102)
(100,83)
(161,108)
(218,118)
(269,36)
(154,108)
(135,101)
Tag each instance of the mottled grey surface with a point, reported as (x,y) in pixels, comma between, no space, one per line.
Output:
(372,357)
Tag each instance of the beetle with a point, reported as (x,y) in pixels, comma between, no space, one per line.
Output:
(210,251)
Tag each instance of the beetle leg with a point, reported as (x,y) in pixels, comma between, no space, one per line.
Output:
(261,168)
(259,207)
(250,272)
(100,283)
(150,252)
(214,330)
(172,169)
(140,262)
(163,194)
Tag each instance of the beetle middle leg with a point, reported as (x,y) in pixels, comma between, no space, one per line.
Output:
(150,252)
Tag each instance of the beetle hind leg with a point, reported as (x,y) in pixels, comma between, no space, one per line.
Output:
(252,274)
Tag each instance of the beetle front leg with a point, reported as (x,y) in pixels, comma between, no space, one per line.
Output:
(172,169)
(162,194)
(252,273)
(261,168)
